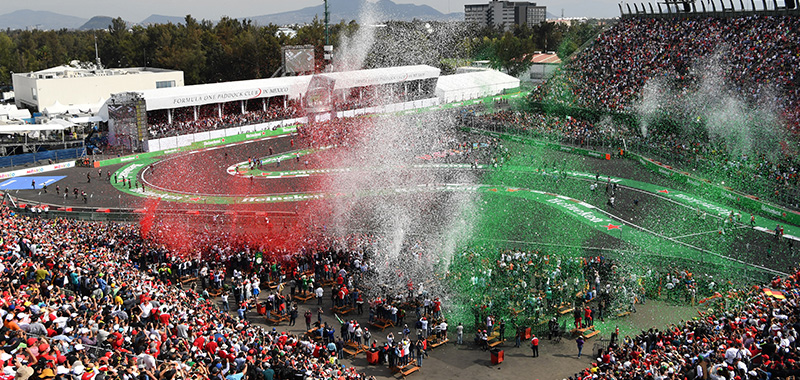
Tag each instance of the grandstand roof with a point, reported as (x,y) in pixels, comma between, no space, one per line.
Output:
(372,77)
(476,79)
(294,87)
(187,96)
(547,58)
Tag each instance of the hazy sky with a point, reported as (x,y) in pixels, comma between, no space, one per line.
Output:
(138,10)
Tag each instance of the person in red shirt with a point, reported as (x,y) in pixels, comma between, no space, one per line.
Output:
(164,318)
(535,346)
(587,315)
(211,346)
(199,342)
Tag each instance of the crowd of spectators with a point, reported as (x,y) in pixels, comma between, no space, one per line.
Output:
(163,128)
(336,131)
(757,57)
(755,340)
(92,300)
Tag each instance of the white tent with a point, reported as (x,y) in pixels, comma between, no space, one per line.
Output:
(8,112)
(473,85)
(86,119)
(55,109)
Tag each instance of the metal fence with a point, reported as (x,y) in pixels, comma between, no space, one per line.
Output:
(54,155)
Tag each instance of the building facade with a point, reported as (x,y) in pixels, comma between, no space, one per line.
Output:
(67,89)
(505,14)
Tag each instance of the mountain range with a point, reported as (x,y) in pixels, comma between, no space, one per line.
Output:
(351,9)
(339,10)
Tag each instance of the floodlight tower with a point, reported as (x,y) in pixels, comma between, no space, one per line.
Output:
(327,20)
(687,5)
(328,48)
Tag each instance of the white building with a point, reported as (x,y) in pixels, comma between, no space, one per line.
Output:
(543,65)
(74,89)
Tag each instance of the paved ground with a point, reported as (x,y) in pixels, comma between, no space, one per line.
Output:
(451,361)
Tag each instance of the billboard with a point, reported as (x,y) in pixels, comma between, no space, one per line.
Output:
(298,59)
(127,115)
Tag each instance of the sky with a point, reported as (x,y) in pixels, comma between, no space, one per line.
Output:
(138,10)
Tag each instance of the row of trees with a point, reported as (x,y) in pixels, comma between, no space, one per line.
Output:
(506,49)
(231,49)
(207,52)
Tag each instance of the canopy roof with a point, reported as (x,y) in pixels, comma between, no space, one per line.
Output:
(476,80)
(385,75)
(86,119)
(187,96)
(26,128)
(293,87)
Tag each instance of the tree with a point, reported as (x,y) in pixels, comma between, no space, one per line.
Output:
(512,54)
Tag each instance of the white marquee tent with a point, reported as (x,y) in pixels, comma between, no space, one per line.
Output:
(473,85)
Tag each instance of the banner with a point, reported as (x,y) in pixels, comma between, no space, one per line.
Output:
(38,169)
(200,145)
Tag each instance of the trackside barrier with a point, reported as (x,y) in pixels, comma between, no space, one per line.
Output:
(199,145)
(725,194)
(37,170)
(703,187)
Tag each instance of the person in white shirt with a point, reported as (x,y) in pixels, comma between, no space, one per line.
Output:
(319,294)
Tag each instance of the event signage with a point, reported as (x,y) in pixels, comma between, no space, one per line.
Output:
(38,169)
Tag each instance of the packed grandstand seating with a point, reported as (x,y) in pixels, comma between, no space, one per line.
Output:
(757,54)
(102,299)
(337,131)
(162,128)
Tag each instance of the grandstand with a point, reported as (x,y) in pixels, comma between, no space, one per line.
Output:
(717,93)
(173,117)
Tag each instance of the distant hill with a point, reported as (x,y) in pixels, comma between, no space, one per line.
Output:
(45,20)
(340,10)
(161,19)
(350,9)
(97,23)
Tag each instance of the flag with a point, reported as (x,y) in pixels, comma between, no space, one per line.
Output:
(774,293)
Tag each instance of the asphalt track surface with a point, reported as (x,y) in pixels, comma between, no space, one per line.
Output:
(205,172)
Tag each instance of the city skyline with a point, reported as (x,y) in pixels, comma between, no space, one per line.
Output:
(214,10)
